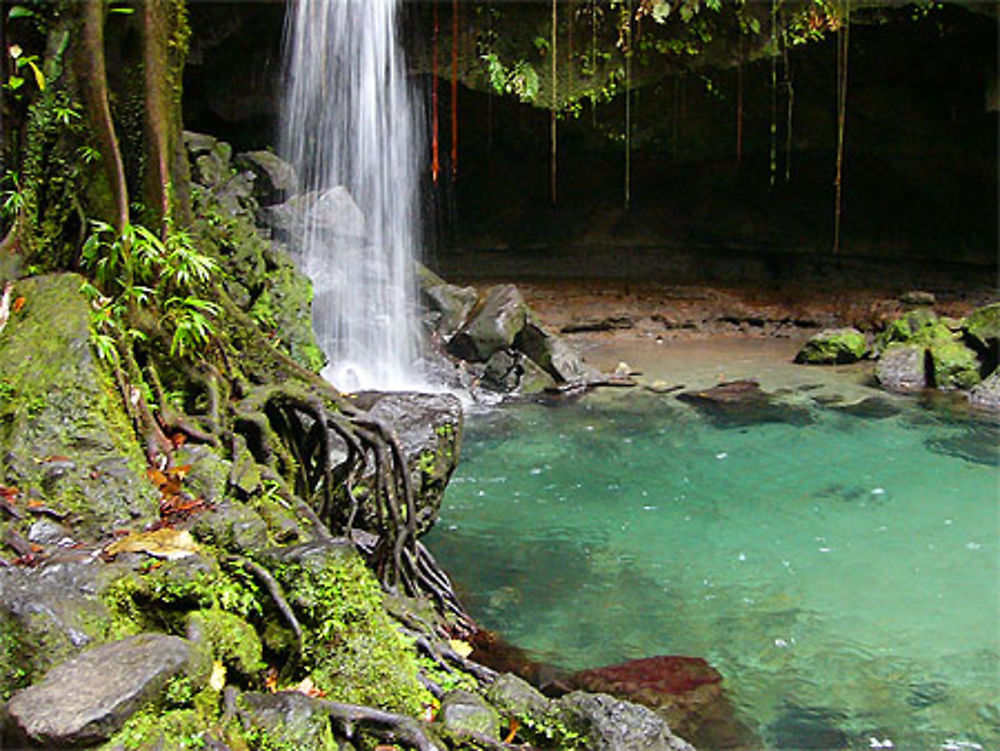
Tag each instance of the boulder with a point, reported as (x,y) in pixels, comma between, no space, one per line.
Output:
(983,325)
(274,178)
(88,698)
(952,365)
(448,304)
(902,367)
(987,393)
(833,346)
(611,724)
(429,429)
(686,691)
(65,439)
(496,324)
(554,355)
(503,370)
(465,711)
(918,298)
(332,213)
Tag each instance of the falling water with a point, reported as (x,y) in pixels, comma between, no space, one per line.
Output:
(350,121)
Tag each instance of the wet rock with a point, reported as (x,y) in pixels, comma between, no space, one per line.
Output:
(49,613)
(63,437)
(554,355)
(198,143)
(686,691)
(503,370)
(608,323)
(987,393)
(288,719)
(429,429)
(614,725)
(952,365)
(808,728)
(88,698)
(872,408)
(902,367)
(833,346)
(275,179)
(500,318)
(516,697)
(231,526)
(739,403)
(465,711)
(332,213)
(448,304)
(983,325)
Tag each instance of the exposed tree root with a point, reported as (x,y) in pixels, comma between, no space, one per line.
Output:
(274,590)
(389,726)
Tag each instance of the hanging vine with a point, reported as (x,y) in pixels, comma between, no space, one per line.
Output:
(454,90)
(843,45)
(552,110)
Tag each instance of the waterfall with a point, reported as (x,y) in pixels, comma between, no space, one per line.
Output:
(351,129)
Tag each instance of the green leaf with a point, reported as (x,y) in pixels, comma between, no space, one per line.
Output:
(14,82)
(19,11)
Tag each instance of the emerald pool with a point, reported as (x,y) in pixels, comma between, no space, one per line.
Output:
(836,559)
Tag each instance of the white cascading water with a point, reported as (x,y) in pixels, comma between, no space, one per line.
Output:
(350,120)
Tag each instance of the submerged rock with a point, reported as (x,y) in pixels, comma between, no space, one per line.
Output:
(88,698)
(739,403)
(686,691)
(833,346)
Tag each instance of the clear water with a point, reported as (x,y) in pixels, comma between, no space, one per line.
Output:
(349,119)
(846,568)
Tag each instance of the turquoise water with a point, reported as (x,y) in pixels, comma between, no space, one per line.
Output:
(840,571)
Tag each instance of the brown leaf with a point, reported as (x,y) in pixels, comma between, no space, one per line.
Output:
(18,304)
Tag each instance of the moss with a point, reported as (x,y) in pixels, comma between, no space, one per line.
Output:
(232,640)
(953,364)
(355,652)
(15,651)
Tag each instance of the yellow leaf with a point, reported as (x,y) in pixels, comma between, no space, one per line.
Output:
(218,678)
(39,78)
(162,543)
(464,649)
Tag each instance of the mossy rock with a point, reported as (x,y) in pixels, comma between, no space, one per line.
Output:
(64,436)
(953,365)
(352,648)
(983,325)
(833,346)
(285,720)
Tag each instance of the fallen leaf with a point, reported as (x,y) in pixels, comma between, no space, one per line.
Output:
(156,477)
(463,648)
(307,687)
(514,726)
(271,680)
(18,304)
(166,543)
(218,678)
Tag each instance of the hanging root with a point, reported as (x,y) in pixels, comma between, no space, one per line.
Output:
(323,446)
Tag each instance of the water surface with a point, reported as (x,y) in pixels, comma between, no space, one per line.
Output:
(840,570)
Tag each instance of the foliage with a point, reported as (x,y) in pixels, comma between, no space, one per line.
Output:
(135,269)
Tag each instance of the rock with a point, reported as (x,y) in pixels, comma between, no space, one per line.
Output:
(213,167)
(534,380)
(333,213)
(287,719)
(429,429)
(987,393)
(952,365)
(871,407)
(902,367)
(554,355)
(88,698)
(463,710)
(198,143)
(449,304)
(503,370)
(499,320)
(64,435)
(686,691)
(516,697)
(614,725)
(231,526)
(918,326)
(739,403)
(275,179)
(982,326)
(918,298)
(833,346)
(49,613)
